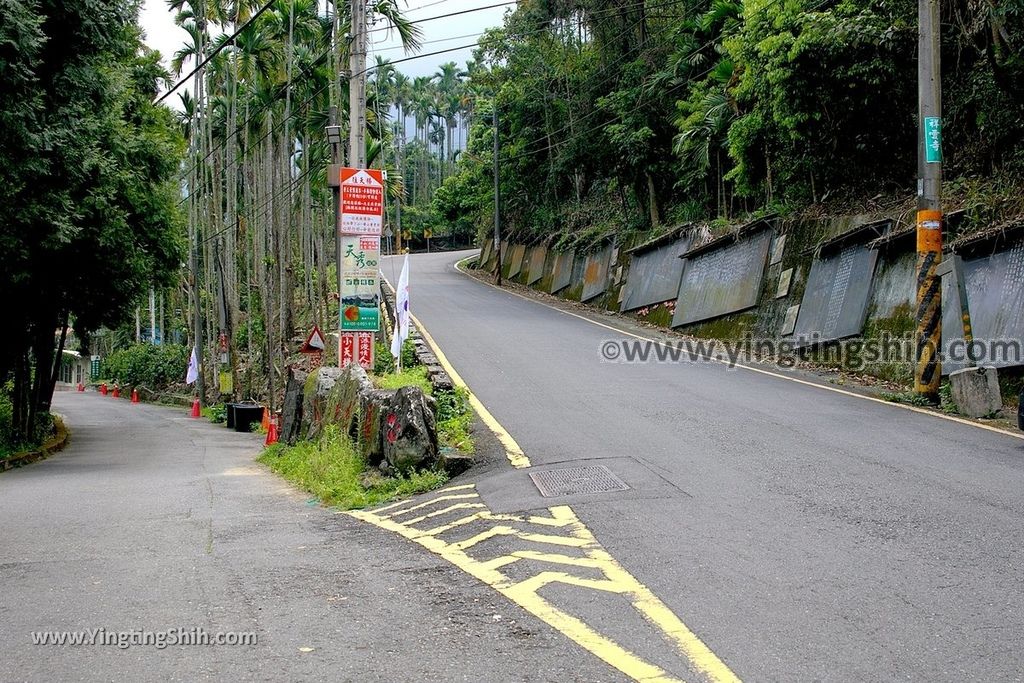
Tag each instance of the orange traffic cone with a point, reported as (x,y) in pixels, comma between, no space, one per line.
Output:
(103,388)
(195,408)
(135,396)
(271,433)
(79,387)
(117,391)
(265,422)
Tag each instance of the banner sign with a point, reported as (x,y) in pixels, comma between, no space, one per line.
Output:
(356,347)
(362,201)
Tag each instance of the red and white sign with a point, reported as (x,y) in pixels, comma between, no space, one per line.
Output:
(314,342)
(356,347)
(362,201)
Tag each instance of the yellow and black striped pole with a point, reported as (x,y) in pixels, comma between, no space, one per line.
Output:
(928,371)
(929,303)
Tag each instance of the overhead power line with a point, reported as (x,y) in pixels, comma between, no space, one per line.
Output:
(217,51)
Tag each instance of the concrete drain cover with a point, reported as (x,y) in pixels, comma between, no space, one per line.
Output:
(572,481)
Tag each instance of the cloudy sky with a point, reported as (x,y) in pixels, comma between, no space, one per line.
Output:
(441,34)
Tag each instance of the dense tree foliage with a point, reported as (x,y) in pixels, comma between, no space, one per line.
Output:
(620,116)
(88,196)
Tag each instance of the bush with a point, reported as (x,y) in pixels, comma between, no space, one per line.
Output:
(384,362)
(156,367)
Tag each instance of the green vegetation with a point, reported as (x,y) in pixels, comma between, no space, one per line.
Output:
(907,397)
(217,413)
(155,367)
(415,376)
(455,420)
(332,470)
(88,190)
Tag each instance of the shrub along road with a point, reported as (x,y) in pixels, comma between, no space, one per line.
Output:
(152,521)
(800,533)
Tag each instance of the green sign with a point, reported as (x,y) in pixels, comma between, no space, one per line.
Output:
(932,140)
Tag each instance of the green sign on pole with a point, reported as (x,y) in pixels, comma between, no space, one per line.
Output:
(932,140)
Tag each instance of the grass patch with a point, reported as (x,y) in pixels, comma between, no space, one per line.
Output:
(415,376)
(216,413)
(907,397)
(455,420)
(333,471)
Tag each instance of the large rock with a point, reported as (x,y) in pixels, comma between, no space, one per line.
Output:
(409,431)
(291,414)
(976,391)
(342,407)
(314,402)
(370,439)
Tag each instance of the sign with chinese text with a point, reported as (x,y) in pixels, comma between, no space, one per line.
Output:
(356,347)
(362,201)
(932,140)
(360,254)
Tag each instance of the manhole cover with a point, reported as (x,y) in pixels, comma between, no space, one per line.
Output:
(572,481)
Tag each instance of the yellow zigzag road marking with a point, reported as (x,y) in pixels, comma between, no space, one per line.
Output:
(616,580)
(524,593)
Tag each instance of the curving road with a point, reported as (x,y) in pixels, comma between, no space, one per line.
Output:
(803,534)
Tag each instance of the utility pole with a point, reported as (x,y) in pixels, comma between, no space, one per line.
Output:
(357,87)
(497,195)
(928,371)
(334,182)
(400,128)
(197,318)
(152,316)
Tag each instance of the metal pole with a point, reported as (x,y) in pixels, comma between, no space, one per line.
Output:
(400,129)
(152,316)
(497,196)
(332,120)
(197,319)
(357,87)
(928,371)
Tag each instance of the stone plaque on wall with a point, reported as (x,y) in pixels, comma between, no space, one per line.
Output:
(654,275)
(516,260)
(561,271)
(835,302)
(723,279)
(595,273)
(536,264)
(995,295)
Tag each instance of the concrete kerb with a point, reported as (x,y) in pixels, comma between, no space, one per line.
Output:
(58,441)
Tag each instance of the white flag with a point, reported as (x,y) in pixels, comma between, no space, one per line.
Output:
(401,311)
(193,368)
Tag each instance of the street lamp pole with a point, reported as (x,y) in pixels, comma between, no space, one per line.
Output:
(333,131)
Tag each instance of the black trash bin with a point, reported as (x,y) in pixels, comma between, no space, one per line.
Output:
(1020,411)
(247,414)
(229,415)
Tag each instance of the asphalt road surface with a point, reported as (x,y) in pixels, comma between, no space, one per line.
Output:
(152,521)
(803,534)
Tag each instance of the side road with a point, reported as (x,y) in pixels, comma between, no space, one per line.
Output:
(152,521)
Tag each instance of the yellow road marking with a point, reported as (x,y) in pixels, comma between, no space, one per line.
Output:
(769,373)
(614,580)
(524,593)
(513,452)
(445,511)
(432,501)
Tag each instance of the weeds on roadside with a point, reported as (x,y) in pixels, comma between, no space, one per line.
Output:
(333,471)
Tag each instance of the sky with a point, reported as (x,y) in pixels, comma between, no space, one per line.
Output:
(163,35)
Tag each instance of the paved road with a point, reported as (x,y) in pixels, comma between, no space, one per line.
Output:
(804,535)
(150,520)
